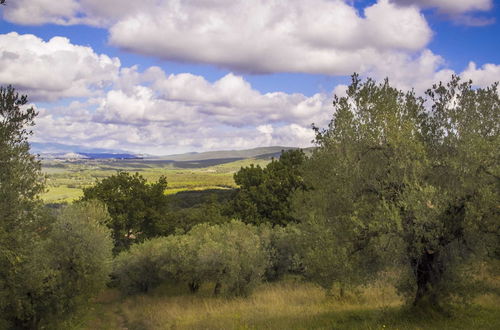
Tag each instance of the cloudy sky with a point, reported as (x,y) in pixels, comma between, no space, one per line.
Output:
(172,76)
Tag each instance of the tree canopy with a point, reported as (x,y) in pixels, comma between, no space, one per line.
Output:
(264,192)
(20,183)
(406,178)
(136,207)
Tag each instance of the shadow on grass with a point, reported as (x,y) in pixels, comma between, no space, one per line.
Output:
(388,318)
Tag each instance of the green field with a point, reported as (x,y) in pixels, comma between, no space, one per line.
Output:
(66,178)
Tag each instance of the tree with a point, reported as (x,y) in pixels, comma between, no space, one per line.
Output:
(210,211)
(21,181)
(20,176)
(396,177)
(66,269)
(231,256)
(264,192)
(48,266)
(137,208)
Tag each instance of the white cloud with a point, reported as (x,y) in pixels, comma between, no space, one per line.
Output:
(463,12)
(159,113)
(421,72)
(484,76)
(314,36)
(49,70)
(41,11)
(451,6)
(417,72)
(152,112)
(100,103)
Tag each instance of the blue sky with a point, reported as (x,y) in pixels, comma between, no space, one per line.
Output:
(171,76)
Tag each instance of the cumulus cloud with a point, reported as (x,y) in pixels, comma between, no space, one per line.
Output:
(484,76)
(153,112)
(159,113)
(231,100)
(316,36)
(413,72)
(41,11)
(101,103)
(451,6)
(49,70)
(460,11)
(260,36)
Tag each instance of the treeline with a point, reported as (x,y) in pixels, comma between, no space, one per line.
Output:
(397,182)
(140,210)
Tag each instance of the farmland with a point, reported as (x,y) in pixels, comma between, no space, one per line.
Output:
(65,179)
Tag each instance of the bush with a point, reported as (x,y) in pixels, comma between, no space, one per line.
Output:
(230,255)
(138,269)
(282,244)
(83,257)
(65,269)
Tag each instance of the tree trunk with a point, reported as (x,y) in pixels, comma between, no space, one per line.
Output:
(193,286)
(428,273)
(217,288)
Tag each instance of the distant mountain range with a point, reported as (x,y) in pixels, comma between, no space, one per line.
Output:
(262,152)
(68,152)
(58,148)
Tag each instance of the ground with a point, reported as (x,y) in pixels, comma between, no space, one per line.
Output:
(283,305)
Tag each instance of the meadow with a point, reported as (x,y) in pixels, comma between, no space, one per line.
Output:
(65,179)
(288,304)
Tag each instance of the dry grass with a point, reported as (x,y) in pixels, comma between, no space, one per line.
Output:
(284,305)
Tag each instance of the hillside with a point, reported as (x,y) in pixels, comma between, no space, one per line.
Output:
(263,152)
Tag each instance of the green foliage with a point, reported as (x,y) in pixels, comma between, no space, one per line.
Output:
(264,192)
(230,255)
(138,269)
(78,253)
(398,180)
(284,249)
(63,270)
(211,211)
(21,227)
(137,209)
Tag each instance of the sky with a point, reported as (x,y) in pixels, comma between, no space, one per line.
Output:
(171,76)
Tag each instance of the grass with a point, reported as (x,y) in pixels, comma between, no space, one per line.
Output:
(66,179)
(283,305)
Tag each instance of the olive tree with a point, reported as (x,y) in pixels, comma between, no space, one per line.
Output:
(78,254)
(63,270)
(230,256)
(21,226)
(404,178)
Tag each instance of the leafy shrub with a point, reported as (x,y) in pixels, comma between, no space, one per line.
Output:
(230,255)
(282,244)
(138,269)
(79,249)
(65,269)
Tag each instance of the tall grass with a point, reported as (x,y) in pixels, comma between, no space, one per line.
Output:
(284,305)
